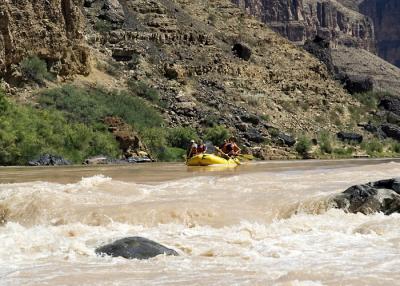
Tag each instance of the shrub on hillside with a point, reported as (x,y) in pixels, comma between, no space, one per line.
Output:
(26,132)
(143,90)
(180,137)
(303,145)
(35,69)
(372,147)
(325,143)
(217,135)
(92,105)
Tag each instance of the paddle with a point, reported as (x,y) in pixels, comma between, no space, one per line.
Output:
(248,157)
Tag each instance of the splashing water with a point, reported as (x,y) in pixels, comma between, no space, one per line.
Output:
(258,225)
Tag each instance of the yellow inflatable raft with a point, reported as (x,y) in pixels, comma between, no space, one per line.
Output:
(211,159)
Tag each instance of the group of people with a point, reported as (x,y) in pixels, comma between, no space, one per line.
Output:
(195,149)
(228,149)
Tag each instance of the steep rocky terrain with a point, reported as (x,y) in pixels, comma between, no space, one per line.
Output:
(51,30)
(386,17)
(211,63)
(356,62)
(299,20)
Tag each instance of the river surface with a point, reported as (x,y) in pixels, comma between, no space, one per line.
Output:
(258,224)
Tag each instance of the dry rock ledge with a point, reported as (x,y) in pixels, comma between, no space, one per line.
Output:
(380,196)
(134,247)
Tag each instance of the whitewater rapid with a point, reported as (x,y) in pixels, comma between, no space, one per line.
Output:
(252,227)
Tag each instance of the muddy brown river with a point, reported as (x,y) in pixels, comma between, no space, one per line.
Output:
(257,224)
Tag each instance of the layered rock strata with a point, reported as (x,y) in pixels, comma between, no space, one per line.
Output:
(299,20)
(51,30)
(386,17)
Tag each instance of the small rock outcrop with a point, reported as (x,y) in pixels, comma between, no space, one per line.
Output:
(320,48)
(242,51)
(134,248)
(391,131)
(128,139)
(49,160)
(381,196)
(348,136)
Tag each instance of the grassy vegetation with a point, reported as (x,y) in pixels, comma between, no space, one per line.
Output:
(143,90)
(325,143)
(303,145)
(26,132)
(373,147)
(90,106)
(35,69)
(217,135)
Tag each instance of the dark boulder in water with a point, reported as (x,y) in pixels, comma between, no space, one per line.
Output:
(381,196)
(134,247)
(49,160)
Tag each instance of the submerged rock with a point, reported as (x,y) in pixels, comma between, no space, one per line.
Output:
(134,247)
(380,196)
(49,160)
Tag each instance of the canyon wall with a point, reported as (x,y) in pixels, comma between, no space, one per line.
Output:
(386,17)
(299,20)
(51,30)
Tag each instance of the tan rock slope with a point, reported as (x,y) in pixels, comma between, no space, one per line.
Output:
(185,50)
(352,61)
(299,20)
(50,29)
(211,62)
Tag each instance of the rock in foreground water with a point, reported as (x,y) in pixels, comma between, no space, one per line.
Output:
(380,196)
(134,247)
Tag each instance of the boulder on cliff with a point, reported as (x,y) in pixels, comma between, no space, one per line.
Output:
(391,131)
(49,160)
(356,83)
(242,51)
(351,137)
(380,196)
(134,247)
(320,48)
(390,104)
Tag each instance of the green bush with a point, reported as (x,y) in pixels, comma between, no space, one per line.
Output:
(35,69)
(102,26)
(26,132)
(372,147)
(171,154)
(265,117)
(343,152)
(143,90)
(180,137)
(370,99)
(3,102)
(303,145)
(395,147)
(325,143)
(217,135)
(92,105)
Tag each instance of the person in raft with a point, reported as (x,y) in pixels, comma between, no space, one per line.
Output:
(231,148)
(191,150)
(201,147)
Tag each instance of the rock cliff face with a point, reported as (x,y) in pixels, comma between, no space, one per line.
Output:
(299,20)
(386,17)
(50,29)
